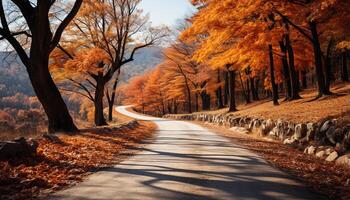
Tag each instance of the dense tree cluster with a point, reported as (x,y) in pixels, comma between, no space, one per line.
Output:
(249,49)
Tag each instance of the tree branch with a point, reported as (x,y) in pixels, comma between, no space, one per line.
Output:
(57,36)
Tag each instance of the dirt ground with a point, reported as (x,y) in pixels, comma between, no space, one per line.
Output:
(300,111)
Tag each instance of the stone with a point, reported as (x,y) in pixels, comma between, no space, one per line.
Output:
(321,134)
(311,129)
(311,150)
(320,154)
(266,127)
(279,130)
(326,125)
(270,124)
(344,160)
(256,125)
(332,157)
(18,148)
(289,141)
(346,140)
(328,151)
(339,134)
(274,132)
(290,129)
(330,133)
(300,131)
(239,130)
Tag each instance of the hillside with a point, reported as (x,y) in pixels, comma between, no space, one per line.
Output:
(145,59)
(299,111)
(13,76)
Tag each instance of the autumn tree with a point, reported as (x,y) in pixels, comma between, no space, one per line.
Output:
(34,30)
(135,92)
(110,32)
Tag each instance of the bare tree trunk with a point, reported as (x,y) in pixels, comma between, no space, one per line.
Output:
(197,103)
(286,73)
(219,93)
(272,77)
(46,90)
(99,94)
(232,88)
(205,101)
(245,93)
(328,65)
(293,74)
(253,88)
(189,99)
(256,91)
(175,107)
(322,88)
(49,96)
(248,90)
(226,89)
(111,100)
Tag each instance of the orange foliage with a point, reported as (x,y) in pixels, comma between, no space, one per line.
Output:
(63,163)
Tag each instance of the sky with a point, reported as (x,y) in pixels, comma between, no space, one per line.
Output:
(166,11)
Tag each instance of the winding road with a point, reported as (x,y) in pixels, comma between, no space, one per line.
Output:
(187,162)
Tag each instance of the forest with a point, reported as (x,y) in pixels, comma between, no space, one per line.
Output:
(244,51)
(97,99)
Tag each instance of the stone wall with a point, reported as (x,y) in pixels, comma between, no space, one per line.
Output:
(326,139)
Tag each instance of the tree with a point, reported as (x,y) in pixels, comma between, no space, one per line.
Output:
(272,77)
(113,29)
(44,34)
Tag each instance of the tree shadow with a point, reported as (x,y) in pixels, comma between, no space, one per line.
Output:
(166,173)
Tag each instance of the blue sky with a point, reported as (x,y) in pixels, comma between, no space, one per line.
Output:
(166,11)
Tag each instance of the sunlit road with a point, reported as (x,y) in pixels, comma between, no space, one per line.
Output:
(186,161)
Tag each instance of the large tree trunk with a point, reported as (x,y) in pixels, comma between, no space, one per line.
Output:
(110,111)
(344,69)
(244,92)
(328,64)
(322,88)
(232,88)
(253,88)
(286,74)
(46,90)
(205,101)
(175,107)
(293,74)
(226,89)
(189,97)
(256,90)
(248,91)
(272,78)
(219,92)
(99,94)
(111,100)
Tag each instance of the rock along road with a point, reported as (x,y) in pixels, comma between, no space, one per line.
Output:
(187,162)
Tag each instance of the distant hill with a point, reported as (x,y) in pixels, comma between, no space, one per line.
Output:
(13,76)
(145,59)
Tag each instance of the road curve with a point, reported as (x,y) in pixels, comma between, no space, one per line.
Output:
(188,162)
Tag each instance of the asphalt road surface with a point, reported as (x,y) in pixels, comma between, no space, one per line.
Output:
(187,162)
